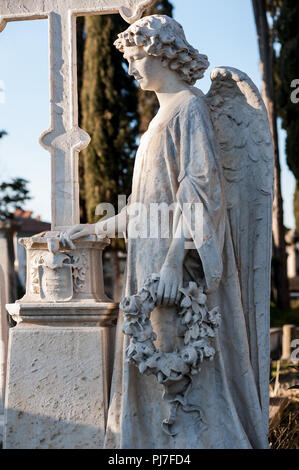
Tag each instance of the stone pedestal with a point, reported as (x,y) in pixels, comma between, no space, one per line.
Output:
(57,371)
(57,382)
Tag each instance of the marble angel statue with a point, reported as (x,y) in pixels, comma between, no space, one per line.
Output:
(214,150)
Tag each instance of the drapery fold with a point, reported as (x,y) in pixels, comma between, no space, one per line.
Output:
(177,162)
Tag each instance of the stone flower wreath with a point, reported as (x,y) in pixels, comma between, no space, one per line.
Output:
(173,370)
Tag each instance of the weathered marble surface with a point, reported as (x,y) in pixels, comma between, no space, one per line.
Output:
(57,387)
(58,365)
(215,150)
(58,274)
(50,407)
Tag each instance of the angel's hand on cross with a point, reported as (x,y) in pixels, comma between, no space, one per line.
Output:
(78,231)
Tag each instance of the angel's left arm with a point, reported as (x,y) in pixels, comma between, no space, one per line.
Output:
(200,186)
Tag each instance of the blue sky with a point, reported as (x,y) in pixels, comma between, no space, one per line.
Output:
(224,30)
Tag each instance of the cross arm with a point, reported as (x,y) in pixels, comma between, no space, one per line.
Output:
(130,10)
(16,10)
(64,139)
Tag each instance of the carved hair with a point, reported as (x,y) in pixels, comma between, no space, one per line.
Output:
(162,36)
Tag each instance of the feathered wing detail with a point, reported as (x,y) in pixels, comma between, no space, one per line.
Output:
(242,129)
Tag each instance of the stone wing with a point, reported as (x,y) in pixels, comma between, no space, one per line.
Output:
(241,124)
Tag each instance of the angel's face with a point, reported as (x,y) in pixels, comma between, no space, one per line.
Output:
(146,69)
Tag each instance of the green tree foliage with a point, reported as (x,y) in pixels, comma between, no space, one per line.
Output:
(109,115)
(111,109)
(80,24)
(287,32)
(147,101)
(264,26)
(80,55)
(12,196)
(296,205)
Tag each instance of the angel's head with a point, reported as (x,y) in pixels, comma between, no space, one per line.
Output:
(157,42)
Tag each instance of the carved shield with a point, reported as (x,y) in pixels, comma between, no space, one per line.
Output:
(56,285)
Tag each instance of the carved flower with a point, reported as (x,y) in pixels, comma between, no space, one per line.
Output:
(131,305)
(194,299)
(189,355)
(148,349)
(146,307)
(132,349)
(187,317)
(194,293)
(152,362)
(128,328)
(197,325)
(206,331)
(172,367)
(200,344)
(197,318)
(144,294)
(209,352)
(214,317)
(142,367)
(140,351)
(150,285)
(145,333)
(192,333)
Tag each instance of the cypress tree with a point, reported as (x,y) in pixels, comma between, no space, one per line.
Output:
(109,115)
(110,110)
(296,205)
(80,54)
(147,101)
(267,64)
(288,69)
(12,195)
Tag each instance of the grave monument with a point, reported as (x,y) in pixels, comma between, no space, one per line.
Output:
(57,379)
(195,312)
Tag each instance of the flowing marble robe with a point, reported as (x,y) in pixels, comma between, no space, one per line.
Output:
(178,161)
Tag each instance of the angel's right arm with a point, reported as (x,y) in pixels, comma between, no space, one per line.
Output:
(114,225)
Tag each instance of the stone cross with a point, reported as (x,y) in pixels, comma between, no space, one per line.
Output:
(70,409)
(64,140)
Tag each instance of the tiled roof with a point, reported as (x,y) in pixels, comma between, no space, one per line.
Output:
(29,224)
